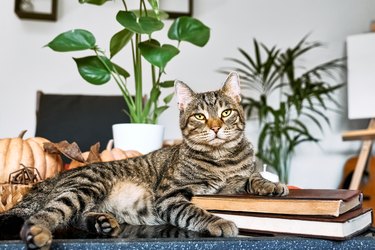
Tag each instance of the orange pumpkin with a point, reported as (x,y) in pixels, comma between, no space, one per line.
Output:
(109,154)
(15,152)
(112,154)
(76,164)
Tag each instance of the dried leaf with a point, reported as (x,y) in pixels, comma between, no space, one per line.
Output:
(17,198)
(10,195)
(94,154)
(51,148)
(5,193)
(70,150)
(8,202)
(2,207)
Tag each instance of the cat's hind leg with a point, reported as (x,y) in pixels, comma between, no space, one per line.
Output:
(100,223)
(57,213)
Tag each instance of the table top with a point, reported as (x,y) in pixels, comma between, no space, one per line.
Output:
(168,237)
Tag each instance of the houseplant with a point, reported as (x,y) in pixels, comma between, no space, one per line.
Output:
(138,27)
(302,94)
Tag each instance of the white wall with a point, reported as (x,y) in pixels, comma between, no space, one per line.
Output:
(26,66)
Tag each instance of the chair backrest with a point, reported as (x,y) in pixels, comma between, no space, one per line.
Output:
(84,119)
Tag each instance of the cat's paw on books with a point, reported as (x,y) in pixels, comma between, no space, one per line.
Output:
(280,189)
(271,189)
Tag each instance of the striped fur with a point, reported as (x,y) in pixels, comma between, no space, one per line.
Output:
(156,188)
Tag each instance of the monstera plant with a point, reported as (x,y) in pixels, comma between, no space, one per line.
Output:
(290,98)
(138,27)
(148,56)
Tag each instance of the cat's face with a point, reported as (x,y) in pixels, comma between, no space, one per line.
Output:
(211,119)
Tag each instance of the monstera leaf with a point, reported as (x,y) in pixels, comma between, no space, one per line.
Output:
(190,30)
(119,40)
(141,25)
(93,70)
(73,40)
(156,54)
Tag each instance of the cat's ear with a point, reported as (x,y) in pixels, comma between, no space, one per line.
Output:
(184,94)
(232,86)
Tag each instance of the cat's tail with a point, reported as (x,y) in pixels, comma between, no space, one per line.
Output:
(10,225)
(12,220)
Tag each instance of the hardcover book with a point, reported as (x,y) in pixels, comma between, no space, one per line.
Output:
(336,228)
(322,202)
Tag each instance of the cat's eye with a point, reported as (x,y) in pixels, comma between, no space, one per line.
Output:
(200,117)
(226,113)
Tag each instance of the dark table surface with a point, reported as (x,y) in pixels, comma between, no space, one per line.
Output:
(168,237)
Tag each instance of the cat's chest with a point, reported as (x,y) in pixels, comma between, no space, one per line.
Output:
(130,201)
(209,184)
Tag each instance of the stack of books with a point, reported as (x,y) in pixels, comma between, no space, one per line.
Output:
(319,213)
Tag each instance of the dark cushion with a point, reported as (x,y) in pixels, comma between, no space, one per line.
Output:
(84,119)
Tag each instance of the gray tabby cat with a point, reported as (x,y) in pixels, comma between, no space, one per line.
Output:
(154,189)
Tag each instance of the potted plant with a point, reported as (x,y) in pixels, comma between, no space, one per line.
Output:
(303,96)
(138,28)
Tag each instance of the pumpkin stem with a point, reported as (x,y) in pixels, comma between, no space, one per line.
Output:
(23,132)
(109,145)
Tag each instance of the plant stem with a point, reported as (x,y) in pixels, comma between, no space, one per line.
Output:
(153,74)
(154,83)
(144,6)
(138,80)
(125,6)
(140,8)
(121,84)
(155,102)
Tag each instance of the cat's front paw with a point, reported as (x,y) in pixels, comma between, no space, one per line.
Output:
(271,189)
(223,228)
(104,224)
(36,237)
(281,189)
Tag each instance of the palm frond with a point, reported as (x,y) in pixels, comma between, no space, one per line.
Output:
(309,95)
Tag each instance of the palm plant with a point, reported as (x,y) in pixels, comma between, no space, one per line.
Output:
(303,96)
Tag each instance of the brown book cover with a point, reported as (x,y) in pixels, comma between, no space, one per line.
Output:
(342,227)
(323,202)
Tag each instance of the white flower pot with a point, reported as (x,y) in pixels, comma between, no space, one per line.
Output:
(137,136)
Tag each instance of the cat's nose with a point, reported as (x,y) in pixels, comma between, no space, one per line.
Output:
(215,129)
(214,124)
